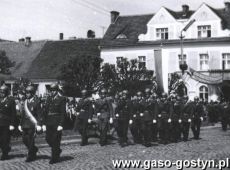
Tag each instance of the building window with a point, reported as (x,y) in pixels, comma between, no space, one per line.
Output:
(142,61)
(120,59)
(204,31)
(204,62)
(226,61)
(162,33)
(203,92)
(121,36)
(182,60)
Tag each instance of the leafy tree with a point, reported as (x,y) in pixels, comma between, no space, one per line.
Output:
(81,72)
(130,75)
(5,63)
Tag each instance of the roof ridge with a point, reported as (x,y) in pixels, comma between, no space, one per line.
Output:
(136,15)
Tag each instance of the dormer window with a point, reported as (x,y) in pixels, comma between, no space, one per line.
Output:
(121,36)
(162,33)
(204,31)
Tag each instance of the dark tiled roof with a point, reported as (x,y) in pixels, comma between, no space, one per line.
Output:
(224,15)
(56,53)
(22,56)
(130,26)
(180,14)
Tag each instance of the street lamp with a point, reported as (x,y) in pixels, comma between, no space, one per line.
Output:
(183,64)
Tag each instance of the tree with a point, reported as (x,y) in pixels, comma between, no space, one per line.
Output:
(176,85)
(130,75)
(81,72)
(5,63)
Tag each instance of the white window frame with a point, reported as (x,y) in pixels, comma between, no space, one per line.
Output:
(203,92)
(161,33)
(203,31)
(204,58)
(225,61)
(180,58)
(142,59)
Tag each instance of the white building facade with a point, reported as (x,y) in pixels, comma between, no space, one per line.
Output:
(206,46)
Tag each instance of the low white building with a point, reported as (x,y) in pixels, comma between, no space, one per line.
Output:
(155,40)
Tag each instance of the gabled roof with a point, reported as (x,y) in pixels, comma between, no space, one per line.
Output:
(130,26)
(22,55)
(54,54)
(180,14)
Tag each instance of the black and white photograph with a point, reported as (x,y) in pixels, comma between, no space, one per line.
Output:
(115,84)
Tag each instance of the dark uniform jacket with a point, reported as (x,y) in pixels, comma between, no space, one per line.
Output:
(188,111)
(177,111)
(55,109)
(85,108)
(7,111)
(198,111)
(165,109)
(104,106)
(150,109)
(34,107)
(124,109)
(137,108)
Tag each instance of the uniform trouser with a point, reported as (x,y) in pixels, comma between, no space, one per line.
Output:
(103,128)
(135,129)
(175,131)
(5,139)
(122,130)
(146,127)
(164,130)
(185,130)
(196,123)
(28,137)
(82,126)
(224,123)
(53,138)
(154,132)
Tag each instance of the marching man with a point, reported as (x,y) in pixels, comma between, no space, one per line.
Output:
(30,122)
(7,120)
(55,109)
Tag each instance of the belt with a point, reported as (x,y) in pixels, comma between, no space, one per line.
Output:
(50,114)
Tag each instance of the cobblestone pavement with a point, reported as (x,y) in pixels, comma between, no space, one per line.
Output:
(215,144)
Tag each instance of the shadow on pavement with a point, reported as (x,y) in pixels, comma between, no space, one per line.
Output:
(17,156)
(65,158)
(42,157)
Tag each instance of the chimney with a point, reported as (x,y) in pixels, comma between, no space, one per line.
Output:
(21,40)
(90,34)
(185,9)
(227,5)
(114,16)
(28,41)
(61,36)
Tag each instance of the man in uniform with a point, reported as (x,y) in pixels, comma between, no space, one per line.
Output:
(197,118)
(55,109)
(165,110)
(104,112)
(155,110)
(7,120)
(176,118)
(135,121)
(225,115)
(31,122)
(123,111)
(84,116)
(188,109)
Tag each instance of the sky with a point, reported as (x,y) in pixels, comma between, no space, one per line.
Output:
(45,19)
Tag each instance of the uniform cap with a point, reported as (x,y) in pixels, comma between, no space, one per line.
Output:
(4,88)
(30,88)
(54,86)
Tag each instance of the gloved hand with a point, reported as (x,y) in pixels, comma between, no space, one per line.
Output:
(117,115)
(189,120)
(20,128)
(111,120)
(77,113)
(38,128)
(11,127)
(89,120)
(159,115)
(141,114)
(154,121)
(134,115)
(130,122)
(43,128)
(98,114)
(59,128)
(202,119)
(179,120)
(169,120)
